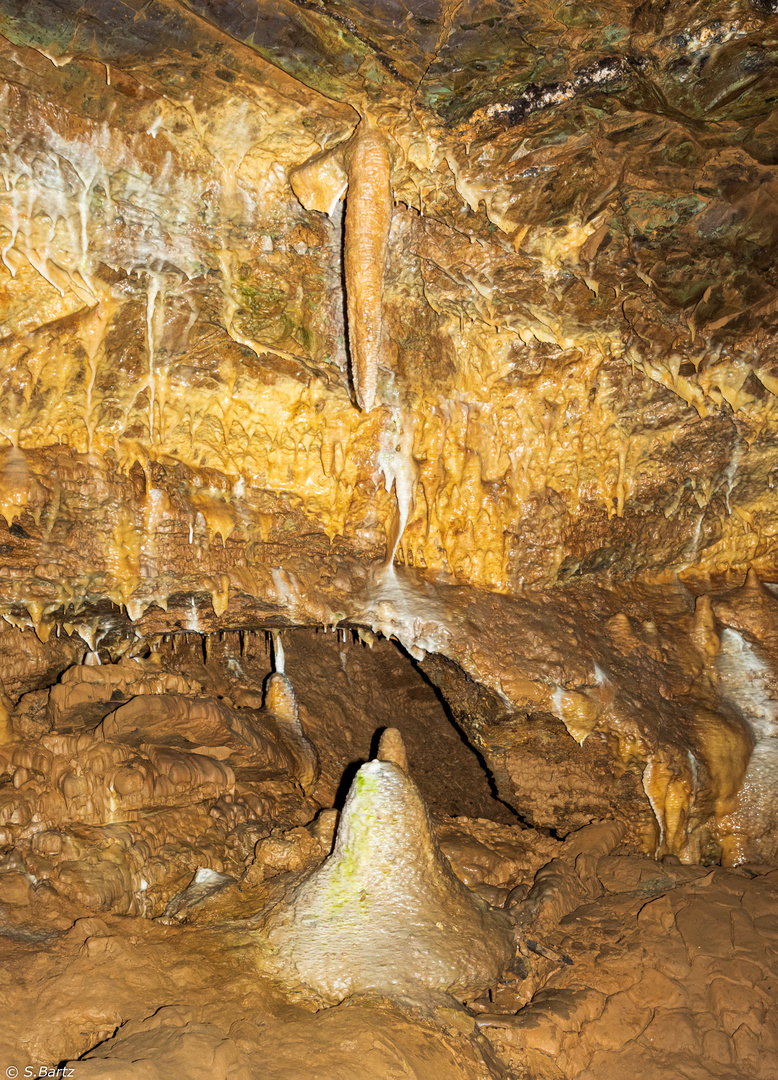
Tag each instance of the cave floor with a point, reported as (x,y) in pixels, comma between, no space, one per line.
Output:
(112,966)
(671,971)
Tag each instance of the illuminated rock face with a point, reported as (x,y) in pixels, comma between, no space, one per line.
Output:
(126,778)
(448,323)
(555,360)
(384,913)
(560,319)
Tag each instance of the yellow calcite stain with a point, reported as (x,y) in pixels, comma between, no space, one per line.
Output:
(478,457)
(124,554)
(114,367)
(220,594)
(17,488)
(152,311)
(219,516)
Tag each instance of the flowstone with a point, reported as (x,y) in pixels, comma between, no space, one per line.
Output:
(385,913)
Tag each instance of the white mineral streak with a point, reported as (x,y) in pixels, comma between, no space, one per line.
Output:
(69,203)
(86,631)
(278,653)
(192,618)
(384,912)
(155,287)
(205,883)
(397,467)
(154,515)
(746,683)
(287,589)
(558,703)
(730,475)
(600,678)
(399,605)
(690,555)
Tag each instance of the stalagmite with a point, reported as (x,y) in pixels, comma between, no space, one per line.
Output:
(384,912)
(280,705)
(435,328)
(392,748)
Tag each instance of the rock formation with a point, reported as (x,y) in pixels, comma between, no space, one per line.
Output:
(368,220)
(435,342)
(384,913)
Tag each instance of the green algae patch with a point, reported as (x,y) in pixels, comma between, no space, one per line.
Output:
(356,848)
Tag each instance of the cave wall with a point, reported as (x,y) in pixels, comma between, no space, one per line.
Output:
(569,470)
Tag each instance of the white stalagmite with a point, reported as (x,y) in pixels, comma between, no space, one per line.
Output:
(385,912)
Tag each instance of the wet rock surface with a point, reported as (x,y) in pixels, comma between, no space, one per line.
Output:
(669,968)
(565,326)
(600,960)
(344,323)
(384,913)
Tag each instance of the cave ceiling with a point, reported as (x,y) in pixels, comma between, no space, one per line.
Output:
(579,298)
(572,441)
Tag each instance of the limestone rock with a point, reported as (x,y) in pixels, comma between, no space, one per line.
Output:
(384,912)
(280,709)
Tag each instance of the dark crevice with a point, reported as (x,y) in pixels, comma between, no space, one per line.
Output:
(463,735)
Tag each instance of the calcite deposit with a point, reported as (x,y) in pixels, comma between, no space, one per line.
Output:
(385,913)
(578,956)
(429,349)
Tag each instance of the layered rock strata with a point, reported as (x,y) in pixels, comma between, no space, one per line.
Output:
(571,314)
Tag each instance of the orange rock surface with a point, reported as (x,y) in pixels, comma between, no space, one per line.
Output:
(429,352)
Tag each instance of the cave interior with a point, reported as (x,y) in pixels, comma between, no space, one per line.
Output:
(389,539)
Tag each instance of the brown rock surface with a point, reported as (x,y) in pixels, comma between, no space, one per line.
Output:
(614,986)
(447,323)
